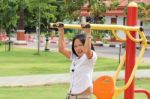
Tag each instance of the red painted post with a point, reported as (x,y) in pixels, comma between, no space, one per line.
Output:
(130,49)
(20,38)
(20,35)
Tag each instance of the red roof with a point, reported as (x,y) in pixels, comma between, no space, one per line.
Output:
(118,12)
(145,1)
(114,13)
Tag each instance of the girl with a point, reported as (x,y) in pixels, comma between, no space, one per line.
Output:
(83,58)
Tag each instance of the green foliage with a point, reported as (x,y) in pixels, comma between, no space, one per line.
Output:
(143,10)
(97,8)
(10,8)
(46,10)
(141,7)
(99,34)
(69,36)
(115,4)
(71,10)
(8,13)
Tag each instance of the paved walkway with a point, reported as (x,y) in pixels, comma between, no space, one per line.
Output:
(33,80)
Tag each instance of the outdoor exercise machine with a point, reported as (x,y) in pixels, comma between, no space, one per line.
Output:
(105,86)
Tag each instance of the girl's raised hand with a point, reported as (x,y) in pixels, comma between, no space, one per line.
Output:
(86,28)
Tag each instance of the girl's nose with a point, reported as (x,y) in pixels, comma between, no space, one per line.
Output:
(78,47)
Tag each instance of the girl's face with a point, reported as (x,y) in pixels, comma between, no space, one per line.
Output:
(78,47)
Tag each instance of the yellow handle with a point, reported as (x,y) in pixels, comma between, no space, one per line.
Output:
(121,89)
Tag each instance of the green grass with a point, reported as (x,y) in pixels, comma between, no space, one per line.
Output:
(25,62)
(57,91)
(38,92)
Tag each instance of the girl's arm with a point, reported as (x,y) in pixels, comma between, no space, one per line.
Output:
(87,45)
(61,42)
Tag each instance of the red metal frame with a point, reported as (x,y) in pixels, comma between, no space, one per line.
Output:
(143,91)
(130,50)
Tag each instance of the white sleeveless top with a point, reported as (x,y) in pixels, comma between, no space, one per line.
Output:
(81,73)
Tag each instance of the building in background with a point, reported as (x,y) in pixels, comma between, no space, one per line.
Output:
(118,16)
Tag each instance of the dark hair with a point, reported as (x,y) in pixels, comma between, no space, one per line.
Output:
(82,38)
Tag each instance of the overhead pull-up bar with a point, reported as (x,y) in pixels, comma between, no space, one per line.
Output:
(113,28)
(100,27)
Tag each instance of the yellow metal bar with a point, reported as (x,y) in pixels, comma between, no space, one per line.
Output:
(119,90)
(132,38)
(119,68)
(101,27)
(126,30)
(138,61)
(116,93)
(143,37)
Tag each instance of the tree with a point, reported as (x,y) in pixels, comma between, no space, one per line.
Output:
(21,7)
(36,14)
(9,16)
(98,10)
(144,10)
(47,13)
(71,9)
(40,14)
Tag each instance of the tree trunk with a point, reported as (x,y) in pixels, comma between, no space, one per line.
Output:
(21,19)
(8,42)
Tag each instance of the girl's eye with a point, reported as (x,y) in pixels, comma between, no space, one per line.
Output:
(75,46)
(80,45)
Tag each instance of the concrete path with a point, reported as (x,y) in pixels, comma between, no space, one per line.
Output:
(33,80)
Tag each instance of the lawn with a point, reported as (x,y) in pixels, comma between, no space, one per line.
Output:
(25,62)
(57,91)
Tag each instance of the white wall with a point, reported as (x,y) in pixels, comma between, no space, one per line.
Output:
(146,26)
(108,20)
(119,22)
(121,34)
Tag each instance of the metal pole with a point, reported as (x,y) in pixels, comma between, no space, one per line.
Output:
(39,30)
(120,46)
(130,49)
